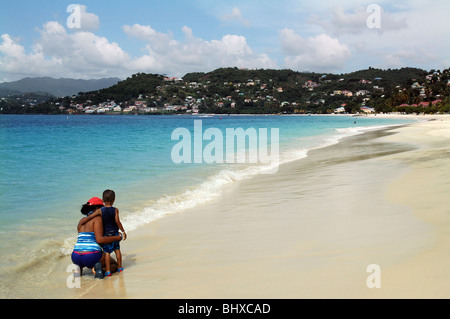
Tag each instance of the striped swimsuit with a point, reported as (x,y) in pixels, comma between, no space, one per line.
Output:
(86,252)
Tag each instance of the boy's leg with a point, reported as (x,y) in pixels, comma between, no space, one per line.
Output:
(119,257)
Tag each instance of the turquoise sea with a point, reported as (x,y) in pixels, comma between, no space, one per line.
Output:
(51,165)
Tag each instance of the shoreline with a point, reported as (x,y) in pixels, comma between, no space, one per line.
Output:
(369,115)
(223,249)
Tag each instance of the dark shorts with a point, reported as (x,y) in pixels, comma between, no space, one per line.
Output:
(86,259)
(109,248)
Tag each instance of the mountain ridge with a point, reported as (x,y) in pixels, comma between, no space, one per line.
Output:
(57,87)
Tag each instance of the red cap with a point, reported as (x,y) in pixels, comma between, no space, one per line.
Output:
(95,201)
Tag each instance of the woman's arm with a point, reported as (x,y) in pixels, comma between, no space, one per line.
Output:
(84,220)
(98,231)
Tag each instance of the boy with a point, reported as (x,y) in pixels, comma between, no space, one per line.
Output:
(111,226)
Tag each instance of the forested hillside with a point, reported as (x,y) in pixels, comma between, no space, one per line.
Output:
(242,91)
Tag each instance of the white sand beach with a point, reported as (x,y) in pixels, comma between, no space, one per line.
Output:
(309,231)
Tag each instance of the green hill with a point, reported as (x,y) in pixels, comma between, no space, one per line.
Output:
(235,75)
(125,90)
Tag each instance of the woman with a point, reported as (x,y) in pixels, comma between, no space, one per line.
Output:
(87,251)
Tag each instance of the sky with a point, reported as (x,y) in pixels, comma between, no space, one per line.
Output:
(110,38)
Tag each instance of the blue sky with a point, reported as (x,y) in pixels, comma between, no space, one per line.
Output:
(174,37)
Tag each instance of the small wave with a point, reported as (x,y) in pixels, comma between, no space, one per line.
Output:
(39,259)
(350,131)
(211,189)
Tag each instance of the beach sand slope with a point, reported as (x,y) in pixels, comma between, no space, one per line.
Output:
(311,230)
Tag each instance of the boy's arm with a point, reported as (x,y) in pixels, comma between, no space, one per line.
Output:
(84,220)
(119,224)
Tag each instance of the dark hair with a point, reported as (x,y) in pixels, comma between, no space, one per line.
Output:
(86,208)
(109,196)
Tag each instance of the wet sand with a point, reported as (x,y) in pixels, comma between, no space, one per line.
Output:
(309,231)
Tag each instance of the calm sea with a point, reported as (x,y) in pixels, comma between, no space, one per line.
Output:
(51,165)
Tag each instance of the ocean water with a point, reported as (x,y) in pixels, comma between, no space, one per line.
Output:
(51,165)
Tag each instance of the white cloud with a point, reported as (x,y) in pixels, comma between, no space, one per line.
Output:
(165,54)
(58,53)
(321,53)
(146,33)
(82,54)
(344,22)
(10,48)
(411,33)
(85,48)
(15,63)
(397,59)
(89,21)
(235,15)
(81,20)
